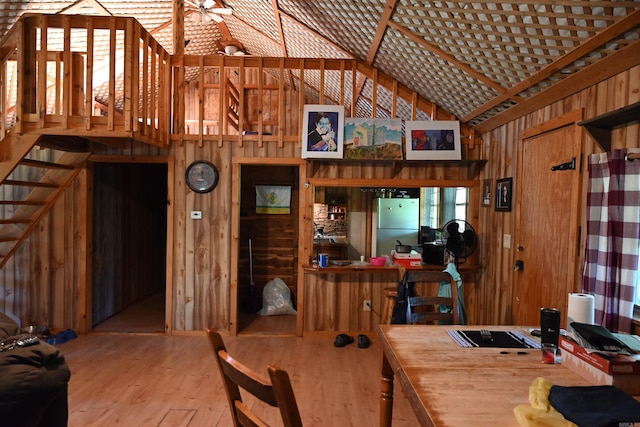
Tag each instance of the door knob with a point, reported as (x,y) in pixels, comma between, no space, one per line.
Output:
(519,265)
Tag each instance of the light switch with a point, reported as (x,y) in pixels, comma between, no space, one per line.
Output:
(196,214)
(506,241)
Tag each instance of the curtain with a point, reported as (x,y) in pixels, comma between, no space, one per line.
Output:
(613,238)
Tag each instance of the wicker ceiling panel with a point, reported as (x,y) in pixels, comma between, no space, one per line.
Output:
(506,41)
(302,43)
(254,42)
(438,80)
(353,31)
(257,14)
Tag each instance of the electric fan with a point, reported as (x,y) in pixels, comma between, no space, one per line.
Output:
(461,239)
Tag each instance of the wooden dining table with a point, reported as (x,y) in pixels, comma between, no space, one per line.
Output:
(450,385)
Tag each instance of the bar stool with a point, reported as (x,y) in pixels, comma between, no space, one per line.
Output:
(390,295)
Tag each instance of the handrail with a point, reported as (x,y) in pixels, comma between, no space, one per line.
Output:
(107,76)
(86,76)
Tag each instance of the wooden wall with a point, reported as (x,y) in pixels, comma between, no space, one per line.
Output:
(500,148)
(45,281)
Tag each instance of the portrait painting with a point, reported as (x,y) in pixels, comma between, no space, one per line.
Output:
(504,193)
(322,132)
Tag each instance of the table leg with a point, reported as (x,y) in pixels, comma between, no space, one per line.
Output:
(386,393)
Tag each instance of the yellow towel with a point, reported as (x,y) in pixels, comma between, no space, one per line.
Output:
(540,413)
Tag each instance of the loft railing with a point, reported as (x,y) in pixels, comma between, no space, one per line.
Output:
(84,76)
(107,77)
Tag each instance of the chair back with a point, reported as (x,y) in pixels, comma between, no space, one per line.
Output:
(426,309)
(276,391)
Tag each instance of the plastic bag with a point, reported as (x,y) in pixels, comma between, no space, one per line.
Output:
(276,299)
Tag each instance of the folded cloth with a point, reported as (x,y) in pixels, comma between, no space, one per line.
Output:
(540,413)
(595,406)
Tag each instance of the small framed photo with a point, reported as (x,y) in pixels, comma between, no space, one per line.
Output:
(433,140)
(504,194)
(486,192)
(323,132)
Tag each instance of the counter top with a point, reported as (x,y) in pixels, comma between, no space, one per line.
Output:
(355,268)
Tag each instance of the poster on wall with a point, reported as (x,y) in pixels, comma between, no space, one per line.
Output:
(369,138)
(322,131)
(433,140)
(273,199)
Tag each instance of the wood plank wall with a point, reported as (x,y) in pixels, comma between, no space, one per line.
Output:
(500,147)
(45,280)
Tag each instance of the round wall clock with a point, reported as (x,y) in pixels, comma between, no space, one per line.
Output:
(201,176)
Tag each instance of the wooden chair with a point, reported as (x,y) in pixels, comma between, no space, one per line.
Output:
(276,392)
(424,309)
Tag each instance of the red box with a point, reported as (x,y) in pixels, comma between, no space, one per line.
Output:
(414,259)
(617,364)
(629,383)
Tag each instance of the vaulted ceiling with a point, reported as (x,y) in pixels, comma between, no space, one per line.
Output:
(485,62)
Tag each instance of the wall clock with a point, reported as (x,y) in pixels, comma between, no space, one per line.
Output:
(201,176)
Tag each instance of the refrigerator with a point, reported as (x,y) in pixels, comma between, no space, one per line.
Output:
(395,219)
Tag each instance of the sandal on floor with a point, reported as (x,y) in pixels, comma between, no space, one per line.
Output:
(342,340)
(363,341)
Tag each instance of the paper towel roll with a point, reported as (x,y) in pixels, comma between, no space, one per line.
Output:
(580,309)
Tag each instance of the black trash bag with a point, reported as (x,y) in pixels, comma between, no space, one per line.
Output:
(405,290)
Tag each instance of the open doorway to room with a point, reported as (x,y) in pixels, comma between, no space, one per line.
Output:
(129,247)
(268,248)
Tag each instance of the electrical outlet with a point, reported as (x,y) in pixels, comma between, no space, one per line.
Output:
(366,305)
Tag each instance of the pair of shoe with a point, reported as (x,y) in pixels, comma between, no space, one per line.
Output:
(344,339)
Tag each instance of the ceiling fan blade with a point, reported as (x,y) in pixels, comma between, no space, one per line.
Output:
(190,3)
(208,4)
(215,17)
(222,10)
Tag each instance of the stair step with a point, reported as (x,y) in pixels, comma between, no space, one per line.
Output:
(31,183)
(15,221)
(45,165)
(9,239)
(22,202)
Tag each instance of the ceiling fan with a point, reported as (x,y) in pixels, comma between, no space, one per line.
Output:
(206,11)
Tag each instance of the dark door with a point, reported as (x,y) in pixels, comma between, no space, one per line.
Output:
(129,237)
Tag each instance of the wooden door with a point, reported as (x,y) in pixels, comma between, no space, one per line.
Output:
(547,209)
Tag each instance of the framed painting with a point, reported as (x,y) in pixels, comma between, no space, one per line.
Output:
(322,132)
(433,140)
(486,192)
(373,138)
(504,191)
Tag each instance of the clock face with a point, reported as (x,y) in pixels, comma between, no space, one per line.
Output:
(201,176)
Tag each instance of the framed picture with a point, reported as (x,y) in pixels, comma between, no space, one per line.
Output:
(486,192)
(369,138)
(433,140)
(323,130)
(504,192)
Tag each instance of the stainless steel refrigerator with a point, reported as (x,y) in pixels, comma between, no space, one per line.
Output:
(396,219)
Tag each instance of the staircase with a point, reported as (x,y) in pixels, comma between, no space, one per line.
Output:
(33,174)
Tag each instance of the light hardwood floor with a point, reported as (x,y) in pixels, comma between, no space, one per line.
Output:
(171,381)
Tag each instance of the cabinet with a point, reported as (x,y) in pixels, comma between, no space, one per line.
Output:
(600,127)
(336,208)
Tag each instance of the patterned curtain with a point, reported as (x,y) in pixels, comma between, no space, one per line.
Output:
(613,238)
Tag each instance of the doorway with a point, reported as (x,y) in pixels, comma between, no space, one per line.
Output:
(267,250)
(548,209)
(129,247)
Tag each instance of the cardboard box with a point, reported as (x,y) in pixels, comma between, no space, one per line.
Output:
(618,364)
(629,383)
(413,259)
